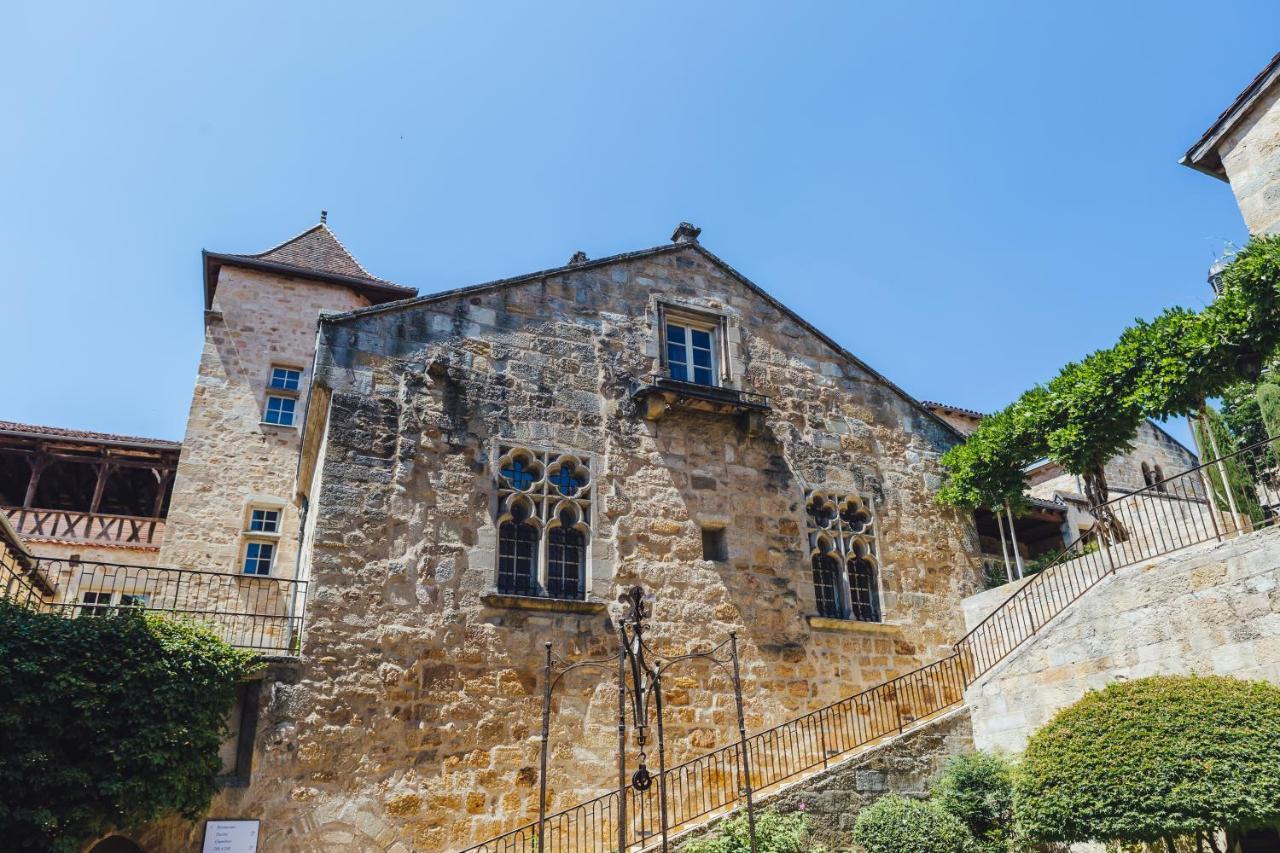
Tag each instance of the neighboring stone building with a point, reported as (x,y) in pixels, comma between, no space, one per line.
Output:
(1057,511)
(1242,147)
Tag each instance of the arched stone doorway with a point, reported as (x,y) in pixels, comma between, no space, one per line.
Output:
(116,844)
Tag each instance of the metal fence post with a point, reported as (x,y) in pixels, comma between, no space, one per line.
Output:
(542,759)
(742,740)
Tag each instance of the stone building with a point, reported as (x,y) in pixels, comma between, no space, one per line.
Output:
(441,484)
(1057,511)
(1242,147)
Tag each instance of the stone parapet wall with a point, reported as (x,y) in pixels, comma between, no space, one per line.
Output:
(1211,609)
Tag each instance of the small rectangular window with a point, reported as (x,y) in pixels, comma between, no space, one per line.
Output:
(133,599)
(258,557)
(95,604)
(264,521)
(280,410)
(690,353)
(714,546)
(285,378)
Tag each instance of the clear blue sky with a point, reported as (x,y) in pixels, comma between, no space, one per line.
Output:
(964,195)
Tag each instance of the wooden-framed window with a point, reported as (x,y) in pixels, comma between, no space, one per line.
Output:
(284,384)
(263,520)
(544,522)
(843,550)
(259,557)
(692,345)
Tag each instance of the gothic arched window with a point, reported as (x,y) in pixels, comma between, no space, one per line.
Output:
(544,512)
(826,586)
(843,547)
(864,592)
(517,558)
(566,562)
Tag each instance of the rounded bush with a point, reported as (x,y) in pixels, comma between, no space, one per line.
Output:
(978,789)
(1152,759)
(894,824)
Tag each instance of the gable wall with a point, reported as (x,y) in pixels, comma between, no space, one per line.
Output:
(1251,157)
(418,703)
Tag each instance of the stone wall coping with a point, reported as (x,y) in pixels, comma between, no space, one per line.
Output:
(851,626)
(529,602)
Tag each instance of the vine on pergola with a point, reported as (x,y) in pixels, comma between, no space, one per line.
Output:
(1093,408)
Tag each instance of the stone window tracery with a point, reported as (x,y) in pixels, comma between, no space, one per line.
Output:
(843,554)
(544,522)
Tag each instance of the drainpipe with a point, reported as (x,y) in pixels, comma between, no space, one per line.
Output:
(1004,548)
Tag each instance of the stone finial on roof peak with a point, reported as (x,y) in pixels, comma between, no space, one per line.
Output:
(686,233)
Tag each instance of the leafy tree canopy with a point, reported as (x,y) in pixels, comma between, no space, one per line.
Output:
(1093,408)
(107,722)
(1152,759)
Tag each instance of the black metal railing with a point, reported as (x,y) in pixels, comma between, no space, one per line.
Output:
(263,614)
(1190,508)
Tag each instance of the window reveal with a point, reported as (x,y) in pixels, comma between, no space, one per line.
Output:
(544,518)
(844,556)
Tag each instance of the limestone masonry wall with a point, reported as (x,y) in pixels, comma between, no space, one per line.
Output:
(228,455)
(1213,609)
(1251,157)
(414,720)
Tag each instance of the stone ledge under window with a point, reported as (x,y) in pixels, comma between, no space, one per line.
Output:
(851,626)
(530,602)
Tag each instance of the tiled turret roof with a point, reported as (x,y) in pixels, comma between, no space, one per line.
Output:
(316,253)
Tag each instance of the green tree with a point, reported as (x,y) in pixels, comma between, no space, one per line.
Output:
(978,789)
(1240,478)
(894,824)
(107,723)
(1154,760)
(1092,409)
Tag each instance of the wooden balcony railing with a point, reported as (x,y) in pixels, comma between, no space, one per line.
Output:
(86,527)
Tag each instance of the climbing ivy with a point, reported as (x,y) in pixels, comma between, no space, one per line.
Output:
(1093,408)
(107,722)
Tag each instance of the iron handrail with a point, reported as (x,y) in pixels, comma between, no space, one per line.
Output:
(935,687)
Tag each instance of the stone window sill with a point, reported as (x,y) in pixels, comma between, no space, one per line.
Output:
(268,425)
(851,626)
(529,602)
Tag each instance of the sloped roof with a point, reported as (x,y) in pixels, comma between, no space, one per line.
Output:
(676,246)
(947,407)
(35,431)
(317,254)
(1203,156)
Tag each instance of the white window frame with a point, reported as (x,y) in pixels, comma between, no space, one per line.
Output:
(104,606)
(273,544)
(715,325)
(283,392)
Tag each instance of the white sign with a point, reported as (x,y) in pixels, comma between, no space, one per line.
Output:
(231,836)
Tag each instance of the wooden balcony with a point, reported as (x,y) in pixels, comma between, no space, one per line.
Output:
(86,528)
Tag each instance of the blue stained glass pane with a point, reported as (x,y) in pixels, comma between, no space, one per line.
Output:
(701,339)
(702,376)
(566,482)
(675,333)
(678,372)
(518,475)
(702,357)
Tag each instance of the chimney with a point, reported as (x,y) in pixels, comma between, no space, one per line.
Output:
(685,233)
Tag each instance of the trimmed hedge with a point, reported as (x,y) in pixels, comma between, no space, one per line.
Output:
(978,789)
(776,832)
(894,824)
(1153,759)
(107,722)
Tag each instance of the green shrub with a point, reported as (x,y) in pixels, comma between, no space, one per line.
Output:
(776,832)
(1154,759)
(978,789)
(107,723)
(893,824)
